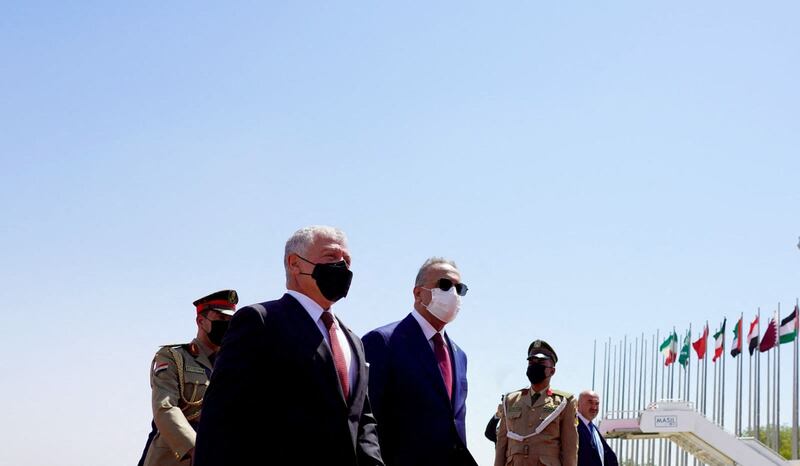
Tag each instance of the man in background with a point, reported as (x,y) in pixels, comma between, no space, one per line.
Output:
(179,377)
(592,447)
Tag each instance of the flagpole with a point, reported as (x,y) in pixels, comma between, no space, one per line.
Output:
(749,386)
(714,408)
(688,365)
(741,372)
(641,387)
(736,402)
(635,446)
(653,393)
(722,399)
(705,372)
(794,382)
(757,381)
(778,383)
(769,400)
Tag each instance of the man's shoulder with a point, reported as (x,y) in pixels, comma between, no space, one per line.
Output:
(168,350)
(269,308)
(514,396)
(561,394)
(386,331)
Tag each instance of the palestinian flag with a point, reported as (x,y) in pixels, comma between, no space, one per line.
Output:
(683,359)
(788,330)
(736,347)
(701,343)
(719,341)
(669,348)
(752,336)
(770,339)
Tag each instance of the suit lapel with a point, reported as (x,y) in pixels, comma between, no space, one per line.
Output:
(358,360)
(312,343)
(459,371)
(422,352)
(584,430)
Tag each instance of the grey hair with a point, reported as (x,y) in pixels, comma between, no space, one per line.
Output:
(302,239)
(430,262)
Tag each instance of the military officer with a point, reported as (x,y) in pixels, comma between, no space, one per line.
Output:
(537,424)
(179,377)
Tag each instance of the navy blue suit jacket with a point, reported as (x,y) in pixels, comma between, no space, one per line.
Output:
(275,398)
(587,454)
(417,423)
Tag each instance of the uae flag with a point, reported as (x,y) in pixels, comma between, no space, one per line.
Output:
(770,338)
(788,330)
(683,359)
(752,336)
(669,348)
(736,347)
(719,341)
(700,345)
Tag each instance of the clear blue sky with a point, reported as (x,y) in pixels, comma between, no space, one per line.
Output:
(595,169)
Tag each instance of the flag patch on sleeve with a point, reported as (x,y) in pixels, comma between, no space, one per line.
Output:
(159,366)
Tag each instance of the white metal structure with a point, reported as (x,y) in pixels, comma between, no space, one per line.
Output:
(679,422)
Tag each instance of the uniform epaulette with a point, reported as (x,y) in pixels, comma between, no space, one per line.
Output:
(174,345)
(563,394)
(520,392)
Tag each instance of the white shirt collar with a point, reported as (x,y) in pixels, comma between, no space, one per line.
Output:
(584,420)
(427,328)
(314,310)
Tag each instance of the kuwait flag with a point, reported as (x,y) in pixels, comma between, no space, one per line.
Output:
(669,348)
(752,336)
(770,339)
(788,330)
(737,339)
(719,341)
(700,345)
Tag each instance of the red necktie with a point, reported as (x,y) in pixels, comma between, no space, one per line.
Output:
(443,359)
(338,354)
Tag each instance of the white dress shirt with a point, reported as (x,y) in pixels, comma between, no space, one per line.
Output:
(315,312)
(596,436)
(427,329)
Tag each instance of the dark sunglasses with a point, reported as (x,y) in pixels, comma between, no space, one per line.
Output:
(445,284)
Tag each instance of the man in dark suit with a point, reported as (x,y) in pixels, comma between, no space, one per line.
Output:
(592,447)
(418,376)
(290,382)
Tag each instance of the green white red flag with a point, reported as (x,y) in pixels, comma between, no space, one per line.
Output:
(670,348)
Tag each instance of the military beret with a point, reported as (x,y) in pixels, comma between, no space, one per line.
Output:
(224,302)
(540,349)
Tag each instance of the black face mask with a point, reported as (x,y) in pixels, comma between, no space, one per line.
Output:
(218,329)
(333,280)
(536,374)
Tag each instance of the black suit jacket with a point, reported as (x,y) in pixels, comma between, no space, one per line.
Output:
(417,422)
(275,398)
(587,454)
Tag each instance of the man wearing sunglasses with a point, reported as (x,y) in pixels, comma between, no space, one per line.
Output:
(418,379)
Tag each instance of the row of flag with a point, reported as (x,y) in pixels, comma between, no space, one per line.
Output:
(773,336)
